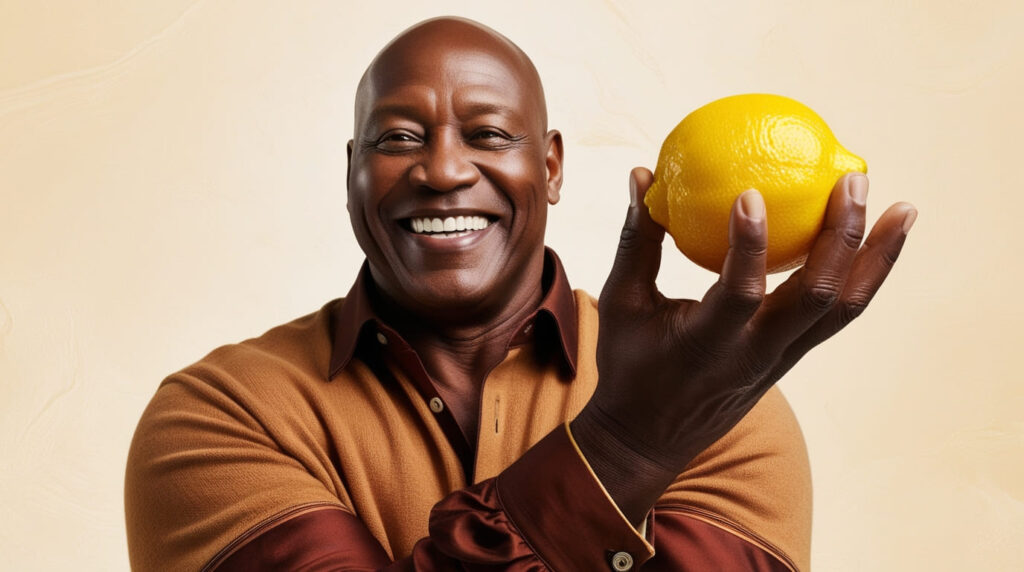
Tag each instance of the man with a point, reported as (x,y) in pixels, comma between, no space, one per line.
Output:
(446,414)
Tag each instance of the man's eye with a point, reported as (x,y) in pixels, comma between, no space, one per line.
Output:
(492,139)
(489,134)
(397,142)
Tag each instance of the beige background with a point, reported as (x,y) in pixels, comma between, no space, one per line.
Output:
(172,178)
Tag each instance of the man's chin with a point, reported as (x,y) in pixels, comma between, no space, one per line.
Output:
(454,295)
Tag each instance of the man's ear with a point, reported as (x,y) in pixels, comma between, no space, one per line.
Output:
(553,162)
(348,172)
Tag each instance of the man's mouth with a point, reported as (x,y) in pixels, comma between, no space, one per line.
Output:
(448,227)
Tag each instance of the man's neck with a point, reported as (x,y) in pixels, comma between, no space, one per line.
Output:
(458,354)
(473,343)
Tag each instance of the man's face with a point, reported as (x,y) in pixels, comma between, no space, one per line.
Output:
(451,172)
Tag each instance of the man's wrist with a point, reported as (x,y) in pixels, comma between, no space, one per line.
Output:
(632,479)
(571,494)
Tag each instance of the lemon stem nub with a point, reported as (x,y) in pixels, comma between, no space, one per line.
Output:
(846,162)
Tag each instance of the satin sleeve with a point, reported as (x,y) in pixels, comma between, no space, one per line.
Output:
(545,512)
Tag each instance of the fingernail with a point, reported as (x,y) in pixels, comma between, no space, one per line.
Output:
(857,187)
(752,205)
(632,191)
(908,220)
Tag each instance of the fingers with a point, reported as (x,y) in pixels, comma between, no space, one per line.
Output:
(870,269)
(638,258)
(812,291)
(740,289)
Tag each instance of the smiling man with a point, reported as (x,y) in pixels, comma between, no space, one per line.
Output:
(446,414)
(450,174)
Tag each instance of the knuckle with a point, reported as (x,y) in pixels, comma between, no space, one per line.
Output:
(889,257)
(850,310)
(742,298)
(851,236)
(753,250)
(628,238)
(820,296)
(885,253)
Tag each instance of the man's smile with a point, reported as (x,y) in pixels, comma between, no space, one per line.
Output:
(447,230)
(447,227)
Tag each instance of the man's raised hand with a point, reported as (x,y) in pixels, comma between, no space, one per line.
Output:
(676,375)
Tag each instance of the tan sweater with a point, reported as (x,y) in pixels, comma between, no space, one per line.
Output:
(256,434)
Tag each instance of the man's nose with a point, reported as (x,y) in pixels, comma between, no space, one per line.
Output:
(446,165)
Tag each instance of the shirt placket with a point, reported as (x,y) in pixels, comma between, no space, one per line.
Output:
(397,350)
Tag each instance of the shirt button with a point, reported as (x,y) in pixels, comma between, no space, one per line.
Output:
(436,405)
(622,561)
(382,339)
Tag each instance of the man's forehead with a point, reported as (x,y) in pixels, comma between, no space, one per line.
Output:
(441,36)
(468,55)
(471,69)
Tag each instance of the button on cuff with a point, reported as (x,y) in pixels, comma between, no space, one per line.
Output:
(436,405)
(622,561)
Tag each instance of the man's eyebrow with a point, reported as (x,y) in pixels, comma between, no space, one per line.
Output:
(468,107)
(395,108)
(475,108)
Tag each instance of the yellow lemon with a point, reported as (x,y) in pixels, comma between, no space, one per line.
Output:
(755,141)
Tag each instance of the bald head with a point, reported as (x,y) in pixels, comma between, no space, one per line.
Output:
(429,46)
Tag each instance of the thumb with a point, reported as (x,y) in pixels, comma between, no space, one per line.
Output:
(639,255)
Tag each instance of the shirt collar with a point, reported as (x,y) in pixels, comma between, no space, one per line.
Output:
(558,307)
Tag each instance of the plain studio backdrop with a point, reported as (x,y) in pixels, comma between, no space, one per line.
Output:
(172,178)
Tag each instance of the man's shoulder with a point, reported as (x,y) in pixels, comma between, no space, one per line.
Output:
(299,348)
(224,444)
(754,482)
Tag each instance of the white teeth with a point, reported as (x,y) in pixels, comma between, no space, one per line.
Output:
(450,226)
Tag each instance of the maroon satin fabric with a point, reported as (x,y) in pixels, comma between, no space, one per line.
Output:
(685,544)
(331,539)
(545,512)
(323,539)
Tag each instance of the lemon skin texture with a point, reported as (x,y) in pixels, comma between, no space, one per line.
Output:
(771,143)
